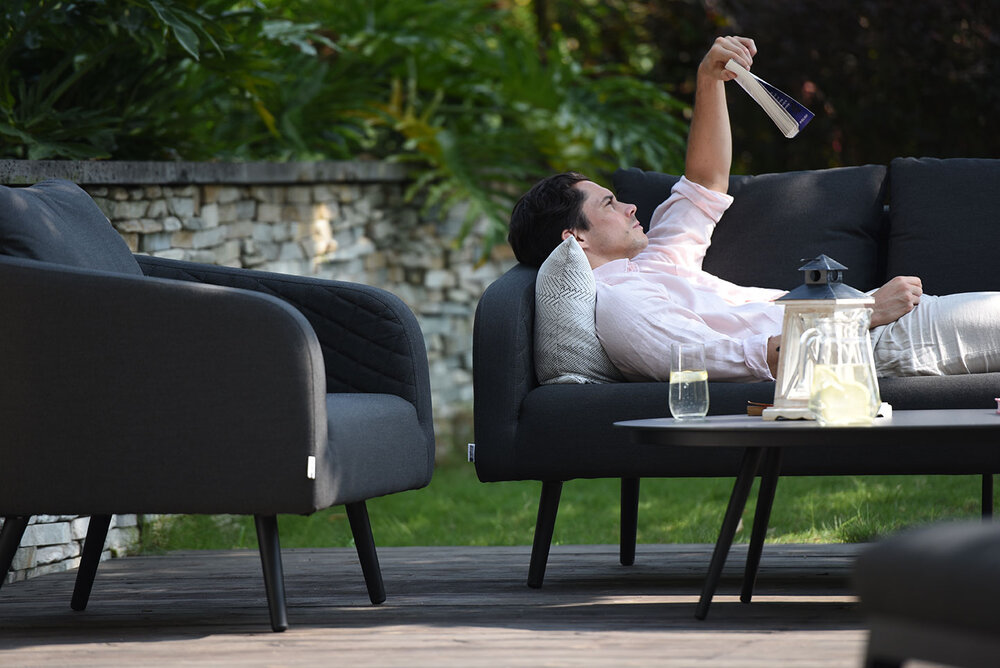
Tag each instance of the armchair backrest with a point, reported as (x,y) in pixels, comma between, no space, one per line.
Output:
(57,221)
(371,340)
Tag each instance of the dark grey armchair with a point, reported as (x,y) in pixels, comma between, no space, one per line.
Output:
(930,593)
(130,384)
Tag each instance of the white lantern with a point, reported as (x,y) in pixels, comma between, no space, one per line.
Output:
(822,295)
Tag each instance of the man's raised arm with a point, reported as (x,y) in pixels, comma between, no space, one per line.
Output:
(710,141)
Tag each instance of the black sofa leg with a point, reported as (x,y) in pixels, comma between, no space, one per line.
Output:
(10,538)
(357,514)
(548,506)
(630,520)
(987,496)
(97,534)
(270,561)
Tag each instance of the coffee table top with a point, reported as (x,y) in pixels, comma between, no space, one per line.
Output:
(928,426)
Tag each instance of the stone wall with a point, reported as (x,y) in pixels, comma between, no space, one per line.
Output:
(341,220)
(54,543)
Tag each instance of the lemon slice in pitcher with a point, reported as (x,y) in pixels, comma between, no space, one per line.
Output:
(839,399)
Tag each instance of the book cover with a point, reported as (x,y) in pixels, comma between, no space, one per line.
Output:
(783,109)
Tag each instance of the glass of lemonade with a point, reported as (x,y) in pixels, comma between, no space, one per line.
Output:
(688,382)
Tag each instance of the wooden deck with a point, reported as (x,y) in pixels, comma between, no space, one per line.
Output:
(447,606)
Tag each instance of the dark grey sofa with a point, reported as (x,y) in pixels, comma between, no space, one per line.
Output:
(936,219)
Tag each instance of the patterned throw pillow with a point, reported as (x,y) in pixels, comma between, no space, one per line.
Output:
(566,346)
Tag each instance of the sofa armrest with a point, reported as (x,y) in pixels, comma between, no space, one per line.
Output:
(371,340)
(131,390)
(503,369)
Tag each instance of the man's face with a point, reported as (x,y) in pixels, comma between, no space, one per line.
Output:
(614,232)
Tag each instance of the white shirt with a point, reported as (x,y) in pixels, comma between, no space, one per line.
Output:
(663,296)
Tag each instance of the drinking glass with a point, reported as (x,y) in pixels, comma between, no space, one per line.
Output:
(688,382)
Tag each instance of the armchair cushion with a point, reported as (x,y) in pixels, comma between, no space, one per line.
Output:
(57,221)
(363,462)
(566,346)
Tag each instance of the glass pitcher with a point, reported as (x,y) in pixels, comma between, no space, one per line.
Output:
(837,359)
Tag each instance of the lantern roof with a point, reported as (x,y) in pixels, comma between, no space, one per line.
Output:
(823,278)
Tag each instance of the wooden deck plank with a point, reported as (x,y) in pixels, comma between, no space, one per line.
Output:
(446,606)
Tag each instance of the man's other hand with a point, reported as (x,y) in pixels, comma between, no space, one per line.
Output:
(895,299)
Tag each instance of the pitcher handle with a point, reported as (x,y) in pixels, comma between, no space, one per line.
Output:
(807,349)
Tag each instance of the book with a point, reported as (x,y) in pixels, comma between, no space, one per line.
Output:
(784,110)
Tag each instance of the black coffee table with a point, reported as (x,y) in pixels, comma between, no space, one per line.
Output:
(764,441)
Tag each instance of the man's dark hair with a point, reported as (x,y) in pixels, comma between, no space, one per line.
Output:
(540,216)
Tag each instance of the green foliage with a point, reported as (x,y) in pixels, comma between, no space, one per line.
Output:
(885,78)
(457,88)
(482,97)
(98,78)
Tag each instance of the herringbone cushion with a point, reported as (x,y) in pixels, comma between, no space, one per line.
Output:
(566,346)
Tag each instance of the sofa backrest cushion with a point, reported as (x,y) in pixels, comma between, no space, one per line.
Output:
(944,223)
(777,220)
(57,221)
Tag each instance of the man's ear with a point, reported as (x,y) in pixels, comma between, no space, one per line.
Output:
(567,233)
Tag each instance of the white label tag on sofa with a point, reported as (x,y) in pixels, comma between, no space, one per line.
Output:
(311,467)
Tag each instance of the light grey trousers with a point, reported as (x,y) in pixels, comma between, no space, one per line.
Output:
(944,335)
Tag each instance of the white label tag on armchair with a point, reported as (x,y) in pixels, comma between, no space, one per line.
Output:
(311,467)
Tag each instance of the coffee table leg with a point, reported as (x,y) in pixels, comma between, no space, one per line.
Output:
(765,498)
(737,502)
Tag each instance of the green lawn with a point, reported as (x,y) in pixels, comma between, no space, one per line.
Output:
(457,509)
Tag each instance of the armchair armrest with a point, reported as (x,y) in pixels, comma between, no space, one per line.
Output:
(134,392)
(371,340)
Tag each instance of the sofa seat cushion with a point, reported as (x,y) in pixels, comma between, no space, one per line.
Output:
(57,221)
(945,574)
(780,219)
(943,223)
(566,346)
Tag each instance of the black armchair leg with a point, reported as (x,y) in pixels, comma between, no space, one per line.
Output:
(270,560)
(10,539)
(97,534)
(630,520)
(357,514)
(548,506)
